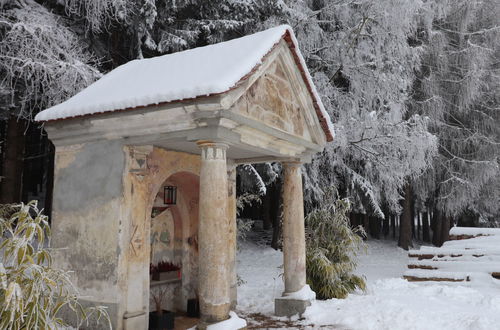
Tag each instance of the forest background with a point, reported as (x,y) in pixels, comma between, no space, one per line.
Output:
(413,88)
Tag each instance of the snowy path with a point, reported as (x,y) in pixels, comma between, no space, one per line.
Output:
(389,303)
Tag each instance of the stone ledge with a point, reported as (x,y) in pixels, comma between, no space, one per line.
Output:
(284,306)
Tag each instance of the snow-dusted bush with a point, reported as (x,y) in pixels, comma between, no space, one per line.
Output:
(33,293)
(332,246)
(243,226)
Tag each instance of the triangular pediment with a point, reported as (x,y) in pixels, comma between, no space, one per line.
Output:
(277,96)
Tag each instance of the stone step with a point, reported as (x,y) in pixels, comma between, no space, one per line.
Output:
(420,255)
(490,267)
(474,253)
(420,275)
(461,233)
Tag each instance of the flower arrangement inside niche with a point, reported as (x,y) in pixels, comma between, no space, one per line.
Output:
(164,271)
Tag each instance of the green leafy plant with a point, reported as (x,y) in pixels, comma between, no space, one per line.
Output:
(33,293)
(331,250)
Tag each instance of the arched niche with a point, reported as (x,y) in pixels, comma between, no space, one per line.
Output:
(174,230)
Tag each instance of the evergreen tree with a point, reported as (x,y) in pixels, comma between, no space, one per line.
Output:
(458,88)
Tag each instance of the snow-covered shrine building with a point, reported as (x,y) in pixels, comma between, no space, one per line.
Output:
(181,122)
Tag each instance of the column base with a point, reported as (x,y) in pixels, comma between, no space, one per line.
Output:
(294,303)
(233,322)
(290,307)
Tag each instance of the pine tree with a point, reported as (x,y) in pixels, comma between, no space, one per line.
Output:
(458,89)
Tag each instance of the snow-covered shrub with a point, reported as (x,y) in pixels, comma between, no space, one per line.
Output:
(243,226)
(33,293)
(246,199)
(332,246)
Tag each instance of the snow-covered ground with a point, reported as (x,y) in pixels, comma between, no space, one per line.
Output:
(389,303)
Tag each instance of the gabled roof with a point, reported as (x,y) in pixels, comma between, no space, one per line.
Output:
(189,74)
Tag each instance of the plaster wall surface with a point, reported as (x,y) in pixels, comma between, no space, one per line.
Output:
(86,222)
(103,197)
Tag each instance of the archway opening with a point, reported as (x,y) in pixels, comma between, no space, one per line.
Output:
(174,244)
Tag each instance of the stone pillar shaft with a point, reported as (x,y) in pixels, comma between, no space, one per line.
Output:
(294,243)
(231,210)
(214,267)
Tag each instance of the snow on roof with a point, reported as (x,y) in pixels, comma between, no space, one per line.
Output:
(184,75)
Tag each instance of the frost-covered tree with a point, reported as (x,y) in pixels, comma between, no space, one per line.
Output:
(400,79)
(152,27)
(459,89)
(42,62)
(183,24)
(363,66)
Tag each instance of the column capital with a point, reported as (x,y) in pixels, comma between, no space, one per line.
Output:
(211,144)
(292,163)
(211,150)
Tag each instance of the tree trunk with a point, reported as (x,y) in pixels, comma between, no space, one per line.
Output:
(405,232)
(412,210)
(426,235)
(436,228)
(266,210)
(276,211)
(12,171)
(50,180)
(419,224)
(255,211)
(352,220)
(393,225)
(445,229)
(366,224)
(374,224)
(385,223)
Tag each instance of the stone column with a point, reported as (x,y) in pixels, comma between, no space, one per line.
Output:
(231,211)
(213,232)
(294,242)
(294,245)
